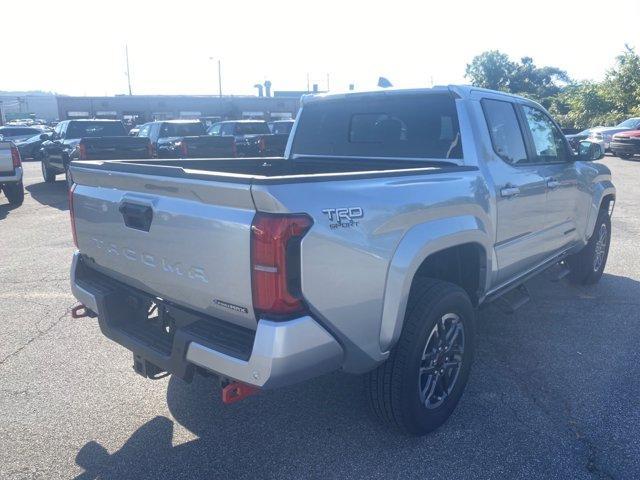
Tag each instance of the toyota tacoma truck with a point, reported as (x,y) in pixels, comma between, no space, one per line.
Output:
(368,248)
(11,173)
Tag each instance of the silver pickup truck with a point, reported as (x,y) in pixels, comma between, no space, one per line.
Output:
(368,248)
(11,173)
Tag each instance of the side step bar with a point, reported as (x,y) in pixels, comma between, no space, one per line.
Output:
(514,299)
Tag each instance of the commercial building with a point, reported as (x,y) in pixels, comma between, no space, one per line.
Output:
(143,108)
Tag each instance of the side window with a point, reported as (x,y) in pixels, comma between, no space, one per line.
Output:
(227,129)
(144,130)
(57,131)
(505,132)
(548,141)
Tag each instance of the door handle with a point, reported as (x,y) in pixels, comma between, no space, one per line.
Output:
(507,192)
(552,183)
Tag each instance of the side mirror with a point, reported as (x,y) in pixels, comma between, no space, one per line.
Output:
(589,151)
(45,136)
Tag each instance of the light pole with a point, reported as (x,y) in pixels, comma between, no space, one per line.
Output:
(219,77)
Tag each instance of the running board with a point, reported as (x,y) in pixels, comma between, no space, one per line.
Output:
(564,271)
(514,299)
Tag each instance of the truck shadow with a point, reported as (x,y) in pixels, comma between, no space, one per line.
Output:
(5,208)
(322,428)
(50,194)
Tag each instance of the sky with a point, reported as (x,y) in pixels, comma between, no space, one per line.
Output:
(78,47)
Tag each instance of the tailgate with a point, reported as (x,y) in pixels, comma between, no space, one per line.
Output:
(183,240)
(6,162)
(208,146)
(111,148)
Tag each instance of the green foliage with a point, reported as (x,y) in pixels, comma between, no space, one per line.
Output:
(574,104)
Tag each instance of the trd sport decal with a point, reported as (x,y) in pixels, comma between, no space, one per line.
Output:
(345,217)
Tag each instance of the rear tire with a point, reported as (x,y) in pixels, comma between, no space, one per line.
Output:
(587,265)
(420,384)
(48,175)
(14,193)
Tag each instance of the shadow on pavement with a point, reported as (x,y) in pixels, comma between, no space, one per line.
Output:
(521,411)
(5,208)
(51,194)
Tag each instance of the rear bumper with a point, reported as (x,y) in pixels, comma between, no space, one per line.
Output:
(11,177)
(277,353)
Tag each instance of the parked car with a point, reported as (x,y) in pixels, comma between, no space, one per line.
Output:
(88,140)
(281,127)
(576,138)
(247,135)
(185,139)
(31,147)
(626,144)
(603,135)
(19,133)
(11,173)
(368,248)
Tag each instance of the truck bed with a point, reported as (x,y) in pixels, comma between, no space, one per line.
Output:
(272,169)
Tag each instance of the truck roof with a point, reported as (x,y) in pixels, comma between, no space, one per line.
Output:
(462,91)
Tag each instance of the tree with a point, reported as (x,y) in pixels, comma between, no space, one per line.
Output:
(492,69)
(622,82)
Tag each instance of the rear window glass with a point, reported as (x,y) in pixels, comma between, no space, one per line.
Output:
(95,129)
(182,129)
(410,126)
(252,128)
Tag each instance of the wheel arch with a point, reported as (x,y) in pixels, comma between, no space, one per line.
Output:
(424,250)
(604,197)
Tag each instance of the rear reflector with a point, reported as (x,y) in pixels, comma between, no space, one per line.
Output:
(82,151)
(15,156)
(275,263)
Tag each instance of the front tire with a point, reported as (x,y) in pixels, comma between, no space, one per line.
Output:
(420,384)
(587,265)
(14,193)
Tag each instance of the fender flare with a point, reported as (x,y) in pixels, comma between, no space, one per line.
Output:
(601,190)
(418,243)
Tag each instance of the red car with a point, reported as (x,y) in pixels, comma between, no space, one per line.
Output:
(626,144)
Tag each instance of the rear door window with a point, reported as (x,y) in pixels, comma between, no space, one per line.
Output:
(394,126)
(504,130)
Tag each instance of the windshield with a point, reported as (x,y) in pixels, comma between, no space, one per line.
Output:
(630,123)
(95,129)
(182,130)
(409,126)
(257,128)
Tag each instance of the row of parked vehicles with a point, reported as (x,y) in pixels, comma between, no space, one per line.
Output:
(108,139)
(622,140)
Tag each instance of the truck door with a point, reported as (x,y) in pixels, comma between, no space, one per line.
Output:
(54,149)
(557,167)
(520,192)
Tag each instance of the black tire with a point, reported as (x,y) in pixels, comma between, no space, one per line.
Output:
(395,386)
(14,193)
(587,265)
(48,175)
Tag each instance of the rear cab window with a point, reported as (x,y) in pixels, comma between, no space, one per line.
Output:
(80,129)
(182,130)
(416,126)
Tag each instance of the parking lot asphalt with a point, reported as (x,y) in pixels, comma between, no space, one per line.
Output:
(554,391)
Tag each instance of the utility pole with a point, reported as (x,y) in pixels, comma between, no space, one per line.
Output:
(308,83)
(328,84)
(126,53)
(219,79)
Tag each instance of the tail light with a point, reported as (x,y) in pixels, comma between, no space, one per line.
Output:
(15,156)
(73,215)
(82,151)
(234,149)
(150,149)
(184,150)
(262,144)
(275,263)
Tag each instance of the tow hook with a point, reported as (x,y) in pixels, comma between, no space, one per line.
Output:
(81,311)
(236,391)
